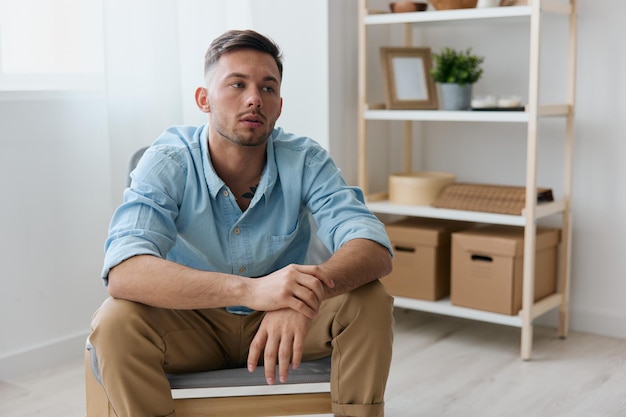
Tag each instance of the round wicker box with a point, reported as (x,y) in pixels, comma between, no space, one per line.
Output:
(418,188)
(453,4)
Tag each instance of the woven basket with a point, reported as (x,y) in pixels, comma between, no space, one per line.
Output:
(453,4)
(488,198)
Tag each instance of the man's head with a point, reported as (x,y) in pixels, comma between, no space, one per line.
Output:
(243,73)
(234,40)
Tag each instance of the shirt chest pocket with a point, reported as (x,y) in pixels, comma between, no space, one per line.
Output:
(291,247)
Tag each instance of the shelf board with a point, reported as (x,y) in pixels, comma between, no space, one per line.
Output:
(555,110)
(543,210)
(446,308)
(449,15)
(448,116)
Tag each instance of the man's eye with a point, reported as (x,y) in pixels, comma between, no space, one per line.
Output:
(268,89)
(237,85)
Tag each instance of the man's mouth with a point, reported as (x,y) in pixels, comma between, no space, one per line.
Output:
(252,119)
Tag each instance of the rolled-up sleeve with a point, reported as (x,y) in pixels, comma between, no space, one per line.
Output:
(145,223)
(339,209)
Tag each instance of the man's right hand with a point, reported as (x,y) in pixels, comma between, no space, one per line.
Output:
(297,287)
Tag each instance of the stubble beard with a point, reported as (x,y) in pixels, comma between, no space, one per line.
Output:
(241,140)
(250,140)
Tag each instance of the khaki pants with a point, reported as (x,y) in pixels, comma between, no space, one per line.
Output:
(137,345)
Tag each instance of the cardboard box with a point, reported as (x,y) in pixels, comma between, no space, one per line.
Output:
(421,263)
(487,267)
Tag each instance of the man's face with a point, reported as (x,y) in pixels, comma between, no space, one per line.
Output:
(243,97)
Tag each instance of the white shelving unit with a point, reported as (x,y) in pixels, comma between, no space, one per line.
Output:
(534,111)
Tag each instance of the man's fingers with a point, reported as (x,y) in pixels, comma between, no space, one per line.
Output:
(302,308)
(284,357)
(269,359)
(281,339)
(319,273)
(256,347)
(308,297)
(313,292)
(297,351)
(270,369)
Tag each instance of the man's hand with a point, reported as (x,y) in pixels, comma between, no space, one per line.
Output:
(296,287)
(281,335)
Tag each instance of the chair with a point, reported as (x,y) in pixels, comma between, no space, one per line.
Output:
(227,392)
(134,160)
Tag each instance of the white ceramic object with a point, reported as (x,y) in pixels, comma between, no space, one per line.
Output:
(509,101)
(483,102)
(488,3)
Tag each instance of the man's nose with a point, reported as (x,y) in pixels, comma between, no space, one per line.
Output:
(254,99)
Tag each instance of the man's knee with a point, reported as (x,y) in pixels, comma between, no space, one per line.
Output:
(119,321)
(373,295)
(372,303)
(114,311)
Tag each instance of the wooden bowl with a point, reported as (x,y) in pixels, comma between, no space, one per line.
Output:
(453,4)
(407,6)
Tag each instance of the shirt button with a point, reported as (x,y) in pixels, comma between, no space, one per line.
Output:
(237,231)
(225,193)
(242,269)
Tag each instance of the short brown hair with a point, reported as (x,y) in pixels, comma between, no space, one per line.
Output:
(234,40)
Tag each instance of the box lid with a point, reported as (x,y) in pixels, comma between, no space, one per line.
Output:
(504,240)
(430,232)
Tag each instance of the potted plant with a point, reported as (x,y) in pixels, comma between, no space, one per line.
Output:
(456,71)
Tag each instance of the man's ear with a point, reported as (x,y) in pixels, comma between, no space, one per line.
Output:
(280,109)
(202,99)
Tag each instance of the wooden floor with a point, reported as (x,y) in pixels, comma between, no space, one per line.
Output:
(442,367)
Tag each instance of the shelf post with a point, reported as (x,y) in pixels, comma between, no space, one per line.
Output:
(530,228)
(408,124)
(566,239)
(362,105)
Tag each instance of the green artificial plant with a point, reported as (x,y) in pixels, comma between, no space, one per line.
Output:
(457,67)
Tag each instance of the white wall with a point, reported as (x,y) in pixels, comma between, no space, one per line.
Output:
(55,185)
(599,203)
(142,78)
(63,158)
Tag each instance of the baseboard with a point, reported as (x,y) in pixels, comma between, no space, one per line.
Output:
(587,321)
(598,322)
(43,356)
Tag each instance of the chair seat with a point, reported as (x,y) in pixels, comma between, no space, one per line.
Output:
(315,375)
(307,373)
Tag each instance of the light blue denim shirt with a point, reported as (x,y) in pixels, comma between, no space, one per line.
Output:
(179,209)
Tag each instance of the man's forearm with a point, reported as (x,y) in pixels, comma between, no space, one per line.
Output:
(356,263)
(161,283)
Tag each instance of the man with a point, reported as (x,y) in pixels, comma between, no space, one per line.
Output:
(205,257)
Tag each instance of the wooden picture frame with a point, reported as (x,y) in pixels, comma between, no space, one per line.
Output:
(408,82)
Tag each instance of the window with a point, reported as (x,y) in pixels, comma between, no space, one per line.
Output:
(51,45)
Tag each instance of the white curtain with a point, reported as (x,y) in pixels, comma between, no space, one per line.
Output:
(141,77)
(154,58)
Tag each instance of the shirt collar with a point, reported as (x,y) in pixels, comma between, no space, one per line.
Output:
(215,183)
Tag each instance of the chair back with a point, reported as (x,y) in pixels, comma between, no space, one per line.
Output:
(134,160)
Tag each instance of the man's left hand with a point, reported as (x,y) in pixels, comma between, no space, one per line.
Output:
(280,337)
